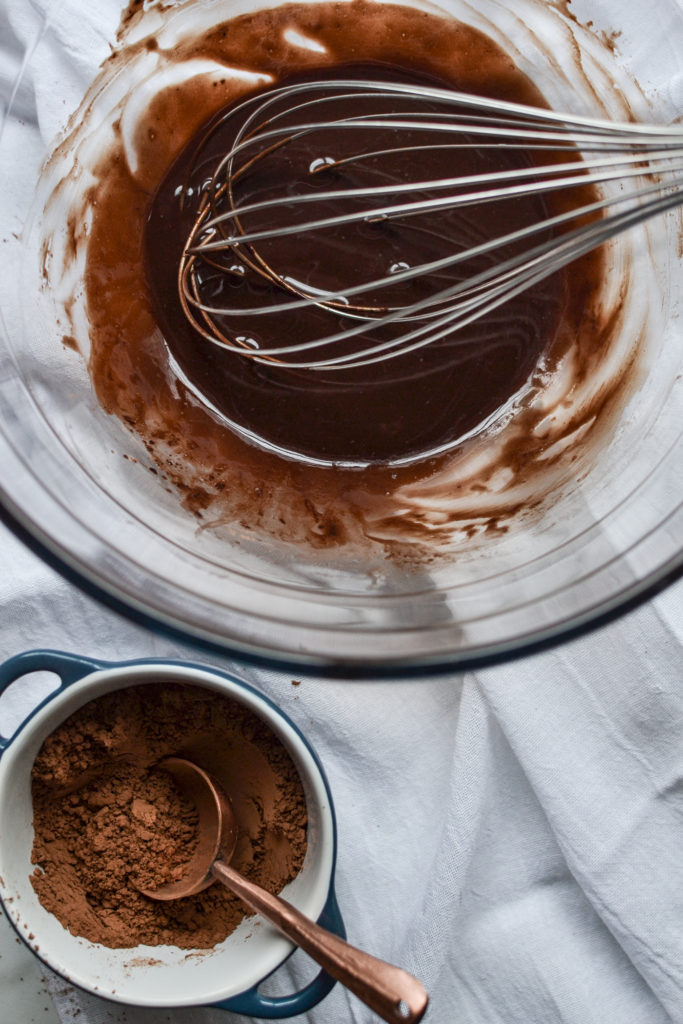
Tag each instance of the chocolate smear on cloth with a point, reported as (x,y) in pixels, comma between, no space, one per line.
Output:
(127,827)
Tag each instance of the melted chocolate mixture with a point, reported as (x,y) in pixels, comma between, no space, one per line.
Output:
(385,411)
(134,319)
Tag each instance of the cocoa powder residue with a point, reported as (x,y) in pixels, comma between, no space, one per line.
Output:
(109,821)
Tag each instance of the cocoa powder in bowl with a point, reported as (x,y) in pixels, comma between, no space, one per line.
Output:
(100,838)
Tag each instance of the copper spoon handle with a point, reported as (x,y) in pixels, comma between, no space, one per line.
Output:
(395,995)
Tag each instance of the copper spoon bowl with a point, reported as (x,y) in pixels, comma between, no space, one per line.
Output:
(390,991)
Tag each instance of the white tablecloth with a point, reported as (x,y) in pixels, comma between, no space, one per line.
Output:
(513,837)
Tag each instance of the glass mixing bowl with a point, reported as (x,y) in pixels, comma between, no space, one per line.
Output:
(609,537)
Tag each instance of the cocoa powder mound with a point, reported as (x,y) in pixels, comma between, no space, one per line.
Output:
(109,821)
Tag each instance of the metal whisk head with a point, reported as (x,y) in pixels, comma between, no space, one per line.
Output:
(313,208)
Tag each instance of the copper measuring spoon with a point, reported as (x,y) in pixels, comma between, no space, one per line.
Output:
(391,992)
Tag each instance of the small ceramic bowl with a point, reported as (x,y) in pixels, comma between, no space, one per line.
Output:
(228,975)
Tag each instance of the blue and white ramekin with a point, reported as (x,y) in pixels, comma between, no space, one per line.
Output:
(229,975)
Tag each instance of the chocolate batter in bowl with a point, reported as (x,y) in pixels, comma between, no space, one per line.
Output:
(435,517)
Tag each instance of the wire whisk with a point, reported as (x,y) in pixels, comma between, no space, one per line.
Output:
(305,180)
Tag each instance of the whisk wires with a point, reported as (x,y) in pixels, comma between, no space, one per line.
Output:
(234,234)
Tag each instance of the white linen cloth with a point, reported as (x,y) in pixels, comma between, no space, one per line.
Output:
(513,837)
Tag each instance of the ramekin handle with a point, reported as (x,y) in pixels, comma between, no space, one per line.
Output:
(69,667)
(253,1004)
